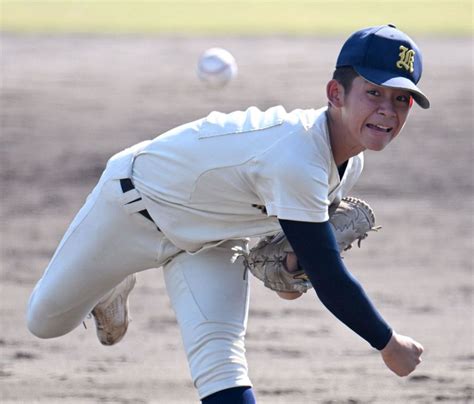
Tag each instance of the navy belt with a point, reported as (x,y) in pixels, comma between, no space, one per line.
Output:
(127,185)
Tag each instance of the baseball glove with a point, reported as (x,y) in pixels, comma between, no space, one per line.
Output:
(351,221)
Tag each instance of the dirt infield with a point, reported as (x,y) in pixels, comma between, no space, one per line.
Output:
(70,102)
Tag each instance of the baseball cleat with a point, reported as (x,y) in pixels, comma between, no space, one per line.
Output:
(111,314)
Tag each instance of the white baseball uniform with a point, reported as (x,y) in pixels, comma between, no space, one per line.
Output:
(205,181)
(208,185)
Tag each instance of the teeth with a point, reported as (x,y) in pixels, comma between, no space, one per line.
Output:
(381,127)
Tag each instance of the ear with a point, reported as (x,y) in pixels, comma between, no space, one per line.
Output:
(335,93)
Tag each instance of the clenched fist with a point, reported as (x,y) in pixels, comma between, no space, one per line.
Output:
(402,354)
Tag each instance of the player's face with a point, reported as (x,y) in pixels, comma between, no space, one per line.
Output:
(374,115)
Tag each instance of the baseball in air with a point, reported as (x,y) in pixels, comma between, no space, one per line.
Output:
(216,67)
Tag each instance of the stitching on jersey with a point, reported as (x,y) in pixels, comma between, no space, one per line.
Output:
(210,170)
(241,131)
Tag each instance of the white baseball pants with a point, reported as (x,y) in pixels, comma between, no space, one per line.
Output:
(107,241)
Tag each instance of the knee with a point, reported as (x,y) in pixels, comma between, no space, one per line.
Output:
(36,322)
(217,360)
(36,326)
(39,320)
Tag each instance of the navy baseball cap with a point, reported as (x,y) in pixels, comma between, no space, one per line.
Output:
(385,56)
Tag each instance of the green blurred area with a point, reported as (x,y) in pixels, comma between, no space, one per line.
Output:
(235,17)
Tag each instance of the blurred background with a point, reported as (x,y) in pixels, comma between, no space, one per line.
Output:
(238,17)
(81,80)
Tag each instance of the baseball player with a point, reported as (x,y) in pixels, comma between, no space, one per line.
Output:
(188,199)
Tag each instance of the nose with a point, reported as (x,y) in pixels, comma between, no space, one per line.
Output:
(387,108)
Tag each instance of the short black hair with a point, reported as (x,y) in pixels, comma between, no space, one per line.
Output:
(345,76)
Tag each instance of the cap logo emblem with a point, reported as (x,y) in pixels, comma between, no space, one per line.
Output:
(407,59)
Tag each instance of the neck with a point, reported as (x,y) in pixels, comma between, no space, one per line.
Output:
(342,147)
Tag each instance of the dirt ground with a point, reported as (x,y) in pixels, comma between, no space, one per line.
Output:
(70,102)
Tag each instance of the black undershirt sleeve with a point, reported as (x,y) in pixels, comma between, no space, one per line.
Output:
(316,248)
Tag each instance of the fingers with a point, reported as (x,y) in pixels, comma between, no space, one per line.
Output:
(402,355)
(415,346)
(419,347)
(291,262)
(417,350)
(289,295)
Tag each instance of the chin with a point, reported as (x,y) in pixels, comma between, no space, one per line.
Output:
(378,141)
(377,147)
(378,144)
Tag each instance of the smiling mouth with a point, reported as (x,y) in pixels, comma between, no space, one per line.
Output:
(380,128)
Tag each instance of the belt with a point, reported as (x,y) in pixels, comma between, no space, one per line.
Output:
(127,185)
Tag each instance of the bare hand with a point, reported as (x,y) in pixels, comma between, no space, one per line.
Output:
(291,262)
(402,354)
(289,295)
(291,265)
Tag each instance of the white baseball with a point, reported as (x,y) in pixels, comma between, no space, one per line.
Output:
(216,67)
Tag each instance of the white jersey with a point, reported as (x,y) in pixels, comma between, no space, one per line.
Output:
(229,176)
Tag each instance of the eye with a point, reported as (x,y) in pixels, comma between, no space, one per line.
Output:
(375,93)
(404,98)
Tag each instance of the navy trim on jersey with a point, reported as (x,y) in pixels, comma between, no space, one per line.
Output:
(316,248)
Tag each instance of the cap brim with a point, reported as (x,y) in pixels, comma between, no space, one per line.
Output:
(386,79)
